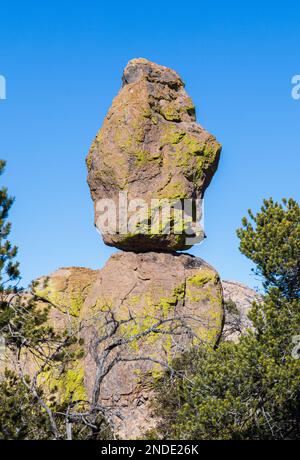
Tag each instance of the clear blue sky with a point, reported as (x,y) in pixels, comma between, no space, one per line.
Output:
(63,62)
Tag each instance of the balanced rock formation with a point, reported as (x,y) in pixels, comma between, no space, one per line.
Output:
(150,148)
(149,303)
(133,316)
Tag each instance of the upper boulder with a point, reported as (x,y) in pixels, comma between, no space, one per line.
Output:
(150,148)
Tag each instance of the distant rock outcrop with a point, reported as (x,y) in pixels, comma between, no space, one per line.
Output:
(150,147)
(238,301)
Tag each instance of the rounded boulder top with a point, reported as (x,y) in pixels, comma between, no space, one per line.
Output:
(140,68)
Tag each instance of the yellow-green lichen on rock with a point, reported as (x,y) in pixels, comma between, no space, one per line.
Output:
(66,291)
(164,303)
(150,147)
(68,384)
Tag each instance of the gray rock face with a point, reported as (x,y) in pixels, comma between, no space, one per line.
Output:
(150,148)
(238,300)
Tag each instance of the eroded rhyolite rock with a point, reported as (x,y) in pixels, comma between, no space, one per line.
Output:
(138,312)
(180,296)
(150,147)
(67,289)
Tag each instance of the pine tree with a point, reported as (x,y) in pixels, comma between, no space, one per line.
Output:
(250,389)
(271,239)
(27,410)
(9,268)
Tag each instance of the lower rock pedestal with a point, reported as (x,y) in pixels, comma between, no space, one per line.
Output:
(135,315)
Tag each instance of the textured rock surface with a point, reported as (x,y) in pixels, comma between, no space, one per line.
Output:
(149,287)
(151,147)
(178,297)
(239,299)
(67,289)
